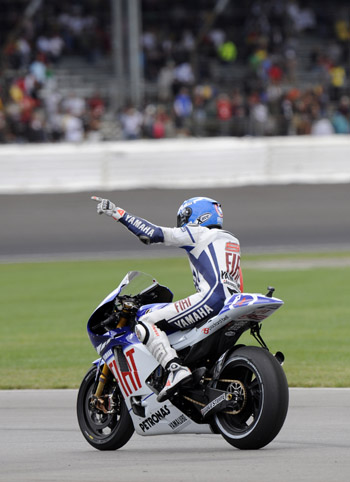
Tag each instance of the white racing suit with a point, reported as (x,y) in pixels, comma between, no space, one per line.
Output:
(214,256)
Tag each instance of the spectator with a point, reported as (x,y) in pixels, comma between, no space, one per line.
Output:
(224,113)
(341,117)
(38,69)
(3,128)
(74,104)
(161,124)
(184,74)
(275,74)
(217,37)
(36,127)
(165,81)
(340,123)
(183,108)
(55,47)
(322,127)
(96,105)
(303,18)
(258,116)
(73,128)
(24,51)
(338,77)
(131,120)
(227,52)
(149,117)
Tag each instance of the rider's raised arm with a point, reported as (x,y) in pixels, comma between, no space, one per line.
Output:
(150,233)
(143,229)
(147,232)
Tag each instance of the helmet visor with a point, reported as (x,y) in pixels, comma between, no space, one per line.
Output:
(183,217)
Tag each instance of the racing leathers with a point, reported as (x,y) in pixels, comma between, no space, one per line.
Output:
(214,256)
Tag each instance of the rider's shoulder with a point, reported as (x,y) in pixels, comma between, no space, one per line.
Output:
(227,234)
(194,228)
(197,232)
(201,232)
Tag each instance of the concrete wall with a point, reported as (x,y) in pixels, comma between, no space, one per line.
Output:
(180,163)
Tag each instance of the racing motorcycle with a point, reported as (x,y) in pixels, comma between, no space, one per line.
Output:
(238,391)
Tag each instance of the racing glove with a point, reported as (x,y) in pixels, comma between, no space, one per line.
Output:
(105,206)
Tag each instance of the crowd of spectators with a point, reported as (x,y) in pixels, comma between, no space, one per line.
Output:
(242,75)
(236,73)
(32,109)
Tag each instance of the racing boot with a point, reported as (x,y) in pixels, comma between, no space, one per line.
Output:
(158,344)
(178,374)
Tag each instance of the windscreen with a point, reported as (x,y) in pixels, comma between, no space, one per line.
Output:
(138,282)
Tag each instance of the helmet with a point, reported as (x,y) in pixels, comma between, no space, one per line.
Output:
(202,211)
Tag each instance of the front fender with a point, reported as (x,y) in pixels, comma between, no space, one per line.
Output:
(99,362)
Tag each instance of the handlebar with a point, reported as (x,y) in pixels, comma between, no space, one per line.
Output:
(105,322)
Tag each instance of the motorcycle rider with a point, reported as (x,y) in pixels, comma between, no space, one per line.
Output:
(214,256)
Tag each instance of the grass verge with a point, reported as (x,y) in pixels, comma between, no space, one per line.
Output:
(45,307)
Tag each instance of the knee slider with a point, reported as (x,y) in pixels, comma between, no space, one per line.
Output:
(142,332)
(156,341)
(148,333)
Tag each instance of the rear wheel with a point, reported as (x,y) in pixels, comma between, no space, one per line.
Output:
(106,425)
(257,386)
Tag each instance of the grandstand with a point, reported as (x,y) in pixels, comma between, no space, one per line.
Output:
(94,70)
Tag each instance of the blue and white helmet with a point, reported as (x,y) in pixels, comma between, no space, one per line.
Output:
(202,211)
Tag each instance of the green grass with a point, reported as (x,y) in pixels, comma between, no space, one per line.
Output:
(45,307)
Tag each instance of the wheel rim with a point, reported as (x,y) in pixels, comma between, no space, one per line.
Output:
(241,380)
(100,425)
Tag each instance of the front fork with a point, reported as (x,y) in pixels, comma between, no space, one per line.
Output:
(102,380)
(97,400)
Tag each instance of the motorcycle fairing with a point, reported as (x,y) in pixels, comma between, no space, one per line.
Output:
(240,300)
(117,337)
(131,364)
(242,308)
(164,418)
(149,308)
(136,283)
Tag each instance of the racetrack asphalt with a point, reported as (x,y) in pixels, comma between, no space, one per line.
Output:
(40,441)
(305,217)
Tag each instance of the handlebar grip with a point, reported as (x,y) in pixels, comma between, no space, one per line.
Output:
(108,320)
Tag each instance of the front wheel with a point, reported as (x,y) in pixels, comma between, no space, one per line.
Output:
(255,382)
(108,426)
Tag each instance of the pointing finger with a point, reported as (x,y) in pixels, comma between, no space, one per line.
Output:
(97,199)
